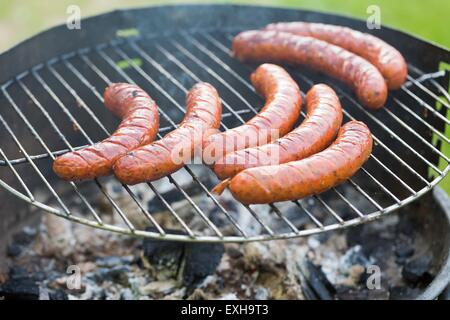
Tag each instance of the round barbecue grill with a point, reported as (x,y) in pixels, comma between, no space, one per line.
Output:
(51,103)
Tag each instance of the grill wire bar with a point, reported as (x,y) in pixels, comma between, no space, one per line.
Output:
(146,76)
(377,140)
(216,76)
(363,169)
(173,181)
(184,52)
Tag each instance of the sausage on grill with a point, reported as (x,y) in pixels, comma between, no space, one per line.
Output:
(316,132)
(139,125)
(302,178)
(165,156)
(266,45)
(386,58)
(276,118)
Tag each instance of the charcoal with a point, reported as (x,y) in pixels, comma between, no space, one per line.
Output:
(378,294)
(14,250)
(117,274)
(201,260)
(403,293)
(308,293)
(19,273)
(112,261)
(58,295)
(296,215)
(234,252)
(306,289)
(20,289)
(317,280)
(344,292)
(404,250)
(218,218)
(417,269)
(16,273)
(364,277)
(352,293)
(406,227)
(114,267)
(24,237)
(370,241)
(38,276)
(401,260)
(164,255)
(155,205)
(374,243)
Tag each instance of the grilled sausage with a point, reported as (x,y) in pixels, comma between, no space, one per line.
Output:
(386,58)
(165,156)
(140,121)
(274,46)
(316,132)
(302,178)
(277,117)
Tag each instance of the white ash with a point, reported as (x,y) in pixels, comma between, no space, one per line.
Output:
(113,266)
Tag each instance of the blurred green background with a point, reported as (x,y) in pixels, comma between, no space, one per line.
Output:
(20,19)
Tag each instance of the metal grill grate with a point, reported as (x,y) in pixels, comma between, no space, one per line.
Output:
(57,106)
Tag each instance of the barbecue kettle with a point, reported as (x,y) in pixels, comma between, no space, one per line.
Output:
(51,104)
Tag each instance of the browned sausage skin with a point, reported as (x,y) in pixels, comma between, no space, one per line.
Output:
(165,156)
(386,58)
(302,178)
(316,132)
(276,118)
(266,45)
(140,121)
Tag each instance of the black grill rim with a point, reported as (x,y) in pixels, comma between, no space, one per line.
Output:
(183,15)
(101,28)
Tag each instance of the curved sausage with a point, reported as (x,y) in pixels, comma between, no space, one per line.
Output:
(139,126)
(316,132)
(358,73)
(165,156)
(302,178)
(386,58)
(276,118)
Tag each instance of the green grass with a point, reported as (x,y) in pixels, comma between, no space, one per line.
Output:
(124,64)
(428,19)
(445,183)
(19,19)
